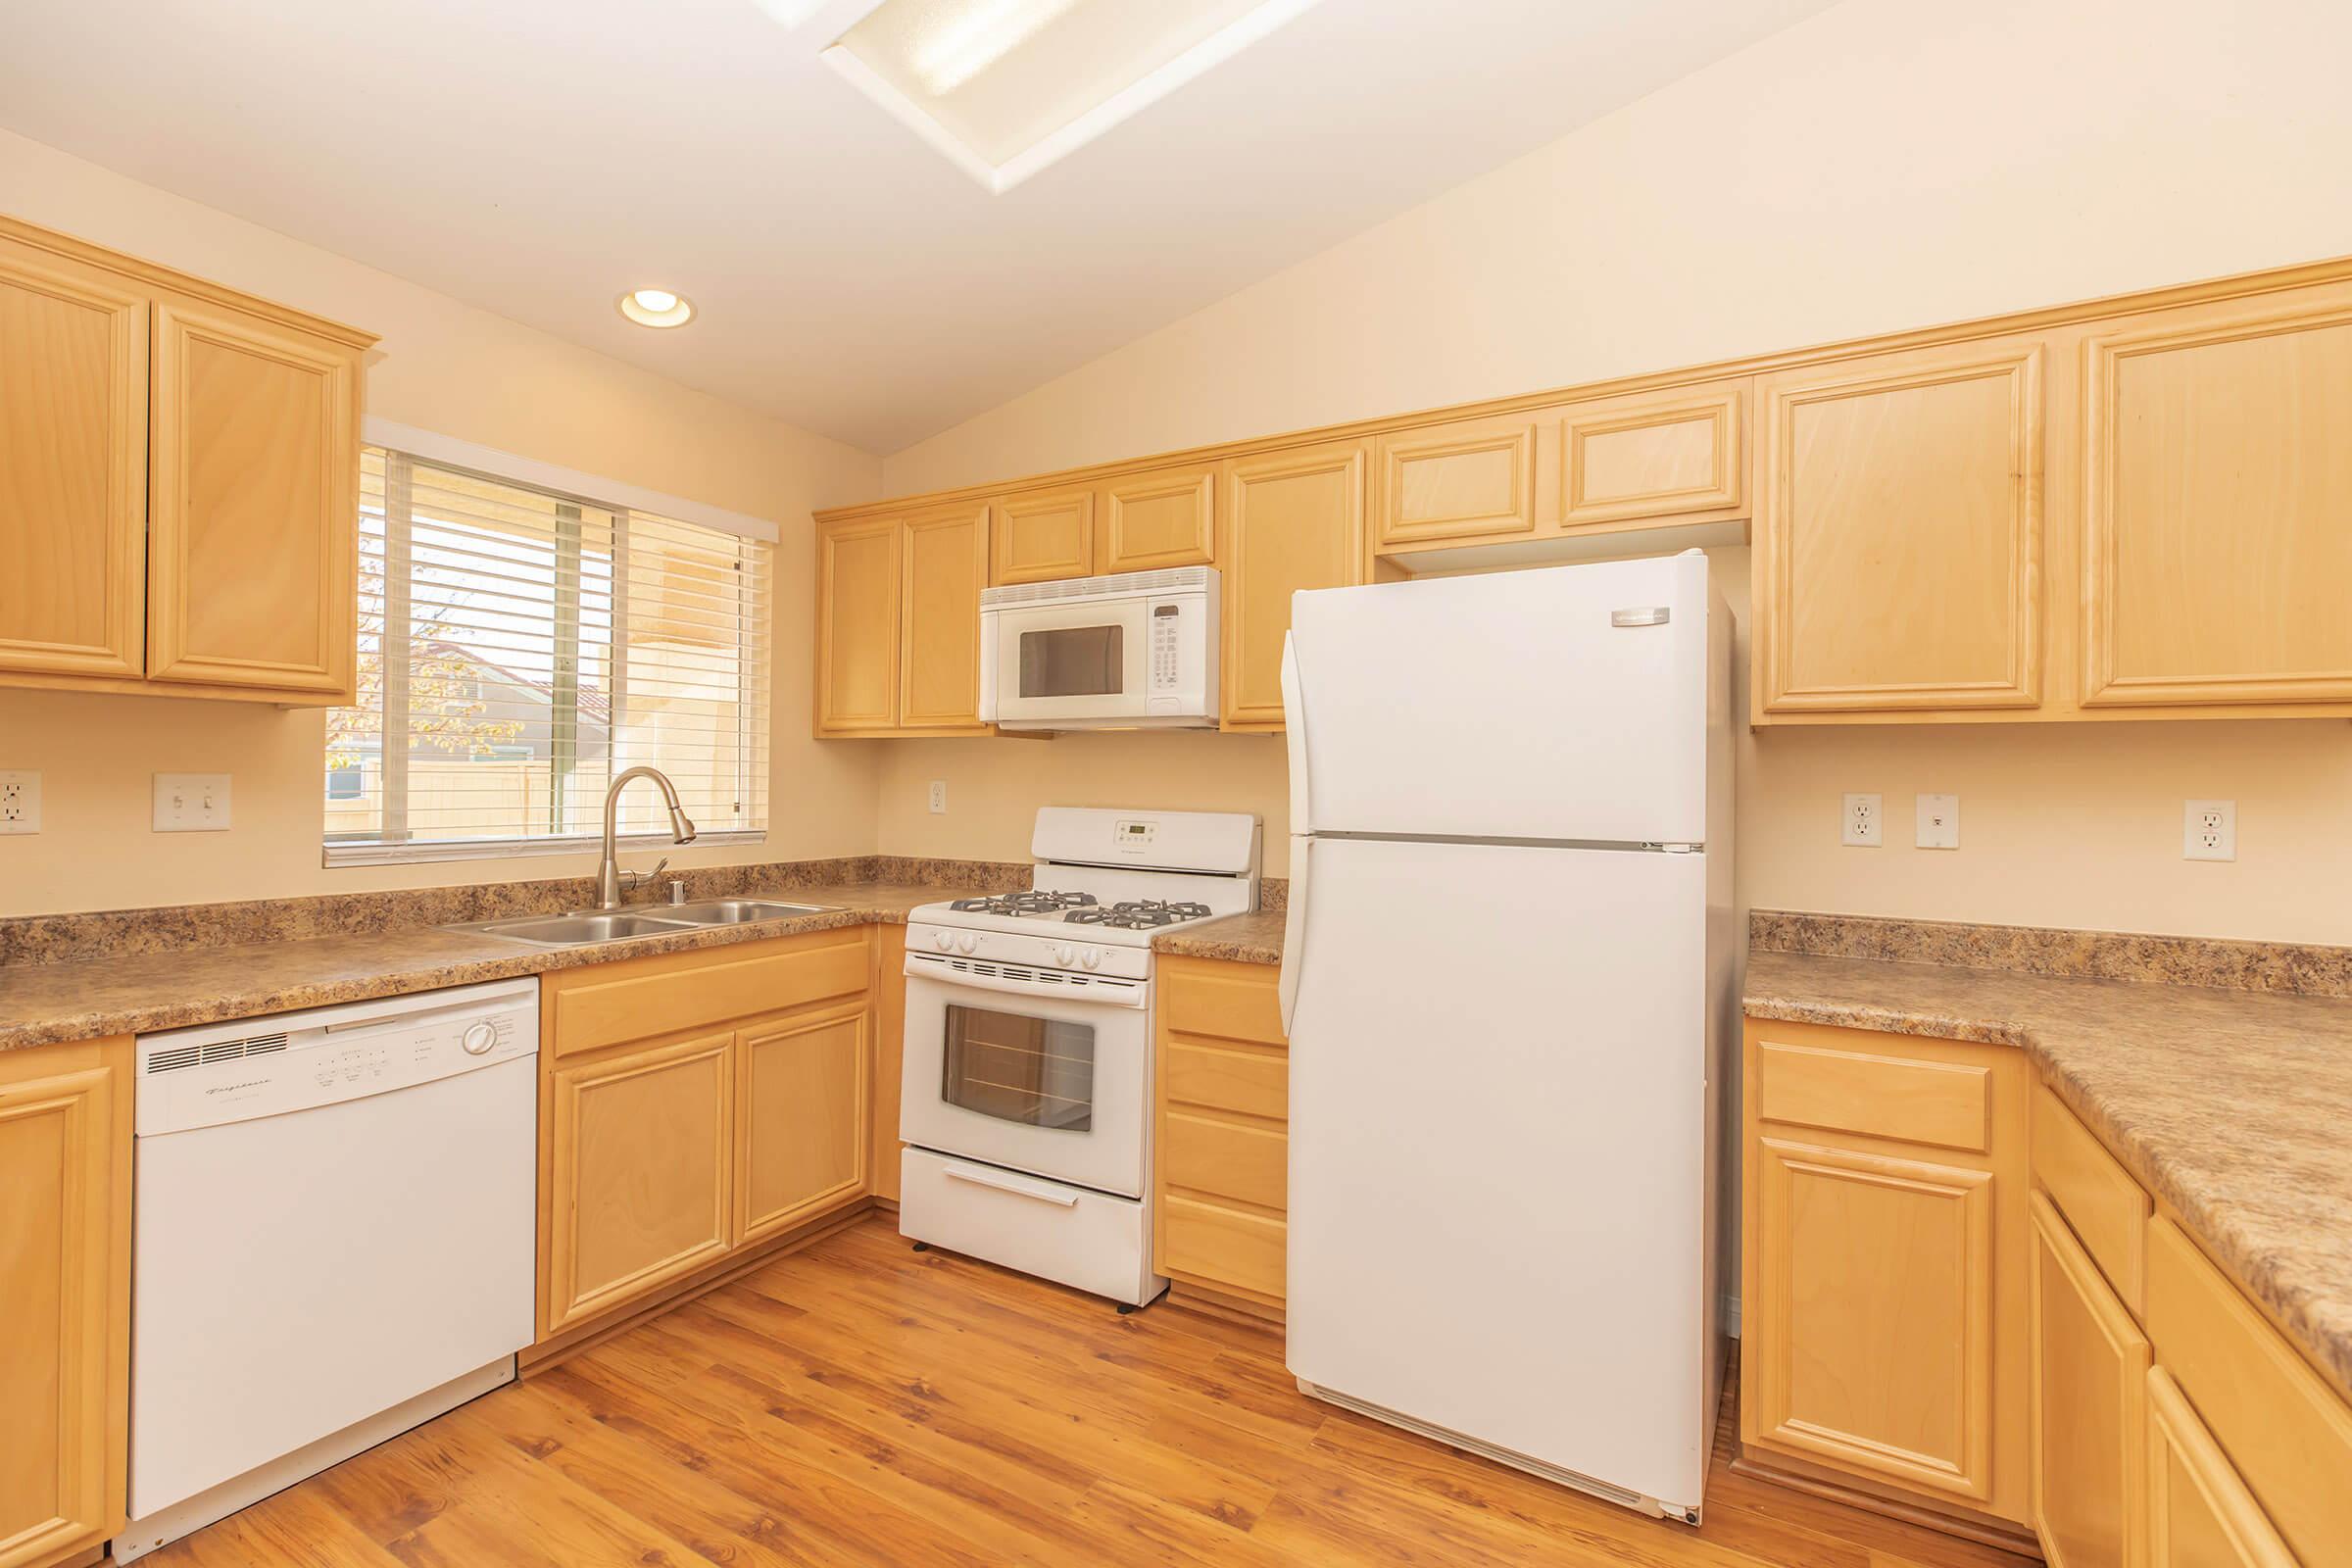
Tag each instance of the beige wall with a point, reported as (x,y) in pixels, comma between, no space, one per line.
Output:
(1888,164)
(463,372)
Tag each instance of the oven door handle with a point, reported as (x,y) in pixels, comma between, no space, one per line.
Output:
(1043,1192)
(1089,993)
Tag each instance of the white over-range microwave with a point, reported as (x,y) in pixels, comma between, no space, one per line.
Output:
(1132,651)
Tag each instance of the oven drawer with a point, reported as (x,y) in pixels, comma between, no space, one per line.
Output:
(1089,1240)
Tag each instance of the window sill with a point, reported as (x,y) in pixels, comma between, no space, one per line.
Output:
(358,852)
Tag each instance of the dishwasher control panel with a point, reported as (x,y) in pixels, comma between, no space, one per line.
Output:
(217,1073)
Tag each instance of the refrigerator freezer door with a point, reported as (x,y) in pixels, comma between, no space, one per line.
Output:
(1498,1151)
(1563,705)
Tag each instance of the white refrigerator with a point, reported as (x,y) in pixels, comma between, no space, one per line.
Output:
(1507,983)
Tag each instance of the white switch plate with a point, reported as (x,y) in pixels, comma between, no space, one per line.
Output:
(191,803)
(2208,830)
(20,802)
(1865,821)
(939,797)
(1939,821)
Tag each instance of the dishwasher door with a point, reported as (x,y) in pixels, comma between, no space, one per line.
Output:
(316,1265)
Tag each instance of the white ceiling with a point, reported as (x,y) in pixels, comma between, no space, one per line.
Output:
(538,157)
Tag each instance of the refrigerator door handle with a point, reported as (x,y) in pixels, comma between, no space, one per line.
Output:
(1293,930)
(1294,729)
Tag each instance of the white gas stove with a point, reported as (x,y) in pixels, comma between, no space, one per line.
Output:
(1026,1096)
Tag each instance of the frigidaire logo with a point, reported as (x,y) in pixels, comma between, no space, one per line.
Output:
(230,1089)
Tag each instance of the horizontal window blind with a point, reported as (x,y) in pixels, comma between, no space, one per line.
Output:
(520,649)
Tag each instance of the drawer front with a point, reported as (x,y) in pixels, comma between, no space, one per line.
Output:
(1223,1246)
(1207,1153)
(638,999)
(1203,1072)
(1231,1001)
(2100,1200)
(2289,1435)
(1948,1105)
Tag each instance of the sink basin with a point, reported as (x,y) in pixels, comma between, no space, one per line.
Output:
(578,930)
(735,911)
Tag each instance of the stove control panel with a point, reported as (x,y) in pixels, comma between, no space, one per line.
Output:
(1061,950)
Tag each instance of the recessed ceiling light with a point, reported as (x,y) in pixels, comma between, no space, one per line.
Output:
(656,307)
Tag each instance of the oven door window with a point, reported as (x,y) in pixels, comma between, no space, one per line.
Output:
(1033,1072)
(1073,661)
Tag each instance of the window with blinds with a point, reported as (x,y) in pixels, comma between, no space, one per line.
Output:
(519,648)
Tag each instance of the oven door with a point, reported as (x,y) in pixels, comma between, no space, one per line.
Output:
(1084,661)
(1023,1074)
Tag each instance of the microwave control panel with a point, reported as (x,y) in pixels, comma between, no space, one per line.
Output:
(1167,621)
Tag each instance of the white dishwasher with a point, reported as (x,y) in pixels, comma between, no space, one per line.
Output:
(334,1239)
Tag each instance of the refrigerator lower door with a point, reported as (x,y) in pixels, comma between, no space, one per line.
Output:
(1567,704)
(1497,1153)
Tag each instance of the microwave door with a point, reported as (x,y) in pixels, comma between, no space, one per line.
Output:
(1071,662)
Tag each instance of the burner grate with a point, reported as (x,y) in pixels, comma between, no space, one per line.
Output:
(1140,914)
(1032,901)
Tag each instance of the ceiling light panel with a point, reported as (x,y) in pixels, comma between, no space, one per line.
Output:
(1004,87)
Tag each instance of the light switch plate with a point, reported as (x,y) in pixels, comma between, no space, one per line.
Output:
(191,803)
(2208,830)
(1865,821)
(1939,821)
(20,801)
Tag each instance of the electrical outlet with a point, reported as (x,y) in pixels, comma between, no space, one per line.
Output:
(1939,821)
(2208,830)
(939,797)
(20,802)
(1865,817)
(191,803)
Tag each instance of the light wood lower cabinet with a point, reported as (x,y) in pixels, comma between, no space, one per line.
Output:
(2200,1514)
(2087,1423)
(65,1297)
(1293,519)
(1222,1105)
(802,1097)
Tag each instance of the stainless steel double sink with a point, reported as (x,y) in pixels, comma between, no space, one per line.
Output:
(583,927)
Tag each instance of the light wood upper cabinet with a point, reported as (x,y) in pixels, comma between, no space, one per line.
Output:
(1158,518)
(1293,519)
(858,625)
(65,1277)
(2199,1512)
(803,1093)
(2218,504)
(1044,535)
(253,518)
(1658,455)
(2088,1377)
(72,467)
(1899,533)
(642,1175)
(1447,481)
(938,661)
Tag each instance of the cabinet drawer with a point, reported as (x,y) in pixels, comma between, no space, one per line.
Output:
(1946,1105)
(1255,1083)
(1223,1246)
(1210,1155)
(2100,1200)
(1235,1001)
(2289,1435)
(639,999)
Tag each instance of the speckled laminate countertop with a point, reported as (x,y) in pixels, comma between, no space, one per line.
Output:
(2231,1105)
(41,1004)
(1254,938)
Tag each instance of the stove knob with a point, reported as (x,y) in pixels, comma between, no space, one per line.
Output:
(969,942)
(477,1039)
(1066,956)
(1093,956)
(943,940)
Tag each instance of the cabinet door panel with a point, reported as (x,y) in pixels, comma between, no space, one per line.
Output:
(858,641)
(1899,533)
(945,569)
(1651,456)
(1872,1331)
(1044,536)
(253,505)
(61,1180)
(1451,480)
(1167,517)
(72,467)
(803,1091)
(2200,1514)
(2087,1367)
(1293,519)
(2217,509)
(642,1184)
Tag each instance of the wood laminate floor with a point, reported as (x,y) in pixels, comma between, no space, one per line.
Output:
(861,1403)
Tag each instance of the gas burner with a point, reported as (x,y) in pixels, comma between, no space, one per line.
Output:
(1140,914)
(1032,901)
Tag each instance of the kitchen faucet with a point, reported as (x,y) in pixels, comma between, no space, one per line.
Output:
(609,878)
